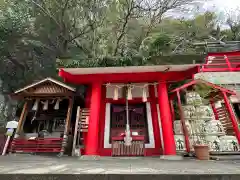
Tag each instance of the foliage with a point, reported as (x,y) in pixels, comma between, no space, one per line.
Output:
(37,36)
(203,90)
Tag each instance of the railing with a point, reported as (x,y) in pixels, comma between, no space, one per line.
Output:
(36,145)
(222,62)
(225,119)
(84,120)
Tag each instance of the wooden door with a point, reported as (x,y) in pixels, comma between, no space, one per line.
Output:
(137,120)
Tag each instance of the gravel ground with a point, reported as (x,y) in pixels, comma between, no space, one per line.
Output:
(31,164)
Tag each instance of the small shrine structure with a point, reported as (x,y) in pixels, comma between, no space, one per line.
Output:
(217,126)
(45,121)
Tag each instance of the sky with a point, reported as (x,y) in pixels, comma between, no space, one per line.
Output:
(224,4)
(221,7)
(224,8)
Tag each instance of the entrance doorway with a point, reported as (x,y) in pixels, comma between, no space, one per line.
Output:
(137,120)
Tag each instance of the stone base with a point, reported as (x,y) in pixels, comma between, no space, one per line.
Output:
(171,157)
(90,157)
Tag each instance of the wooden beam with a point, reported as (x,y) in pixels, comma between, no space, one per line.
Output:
(22,118)
(67,126)
(76,130)
(68,119)
(184,128)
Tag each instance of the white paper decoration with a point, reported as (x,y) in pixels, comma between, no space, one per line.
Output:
(35,106)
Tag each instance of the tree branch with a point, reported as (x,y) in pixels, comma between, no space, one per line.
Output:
(130,8)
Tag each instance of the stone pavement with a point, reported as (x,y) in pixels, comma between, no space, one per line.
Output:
(31,164)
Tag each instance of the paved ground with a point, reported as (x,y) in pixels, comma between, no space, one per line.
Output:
(29,164)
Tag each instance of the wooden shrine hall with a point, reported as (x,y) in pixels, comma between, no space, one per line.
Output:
(46,120)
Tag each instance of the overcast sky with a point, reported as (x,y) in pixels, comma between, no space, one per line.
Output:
(222,5)
(224,8)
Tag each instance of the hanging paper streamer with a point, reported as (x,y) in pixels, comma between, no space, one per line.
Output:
(56,107)
(115,96)
(45,105)
(144,95)
(129,93)
(34,117)
(35,106)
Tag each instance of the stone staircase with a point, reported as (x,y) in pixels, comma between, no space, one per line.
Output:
(225,119)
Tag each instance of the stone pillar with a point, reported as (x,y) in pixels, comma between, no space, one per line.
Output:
(155,123)
(92,141)
(166,120)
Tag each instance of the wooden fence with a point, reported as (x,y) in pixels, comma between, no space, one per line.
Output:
(120,149)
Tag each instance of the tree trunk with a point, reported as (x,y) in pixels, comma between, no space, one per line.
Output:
(8,110)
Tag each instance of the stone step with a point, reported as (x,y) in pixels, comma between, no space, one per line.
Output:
(225,153)
(225,157)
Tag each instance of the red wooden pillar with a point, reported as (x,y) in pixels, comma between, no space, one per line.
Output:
(172,110)
(156,129)
(184,128)
(232,117)
(166,119)
(87,105)
(214,110)
(92,141)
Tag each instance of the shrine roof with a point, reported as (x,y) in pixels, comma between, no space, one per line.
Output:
(200,81)
(128,69)
(45,87)
(214,94)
